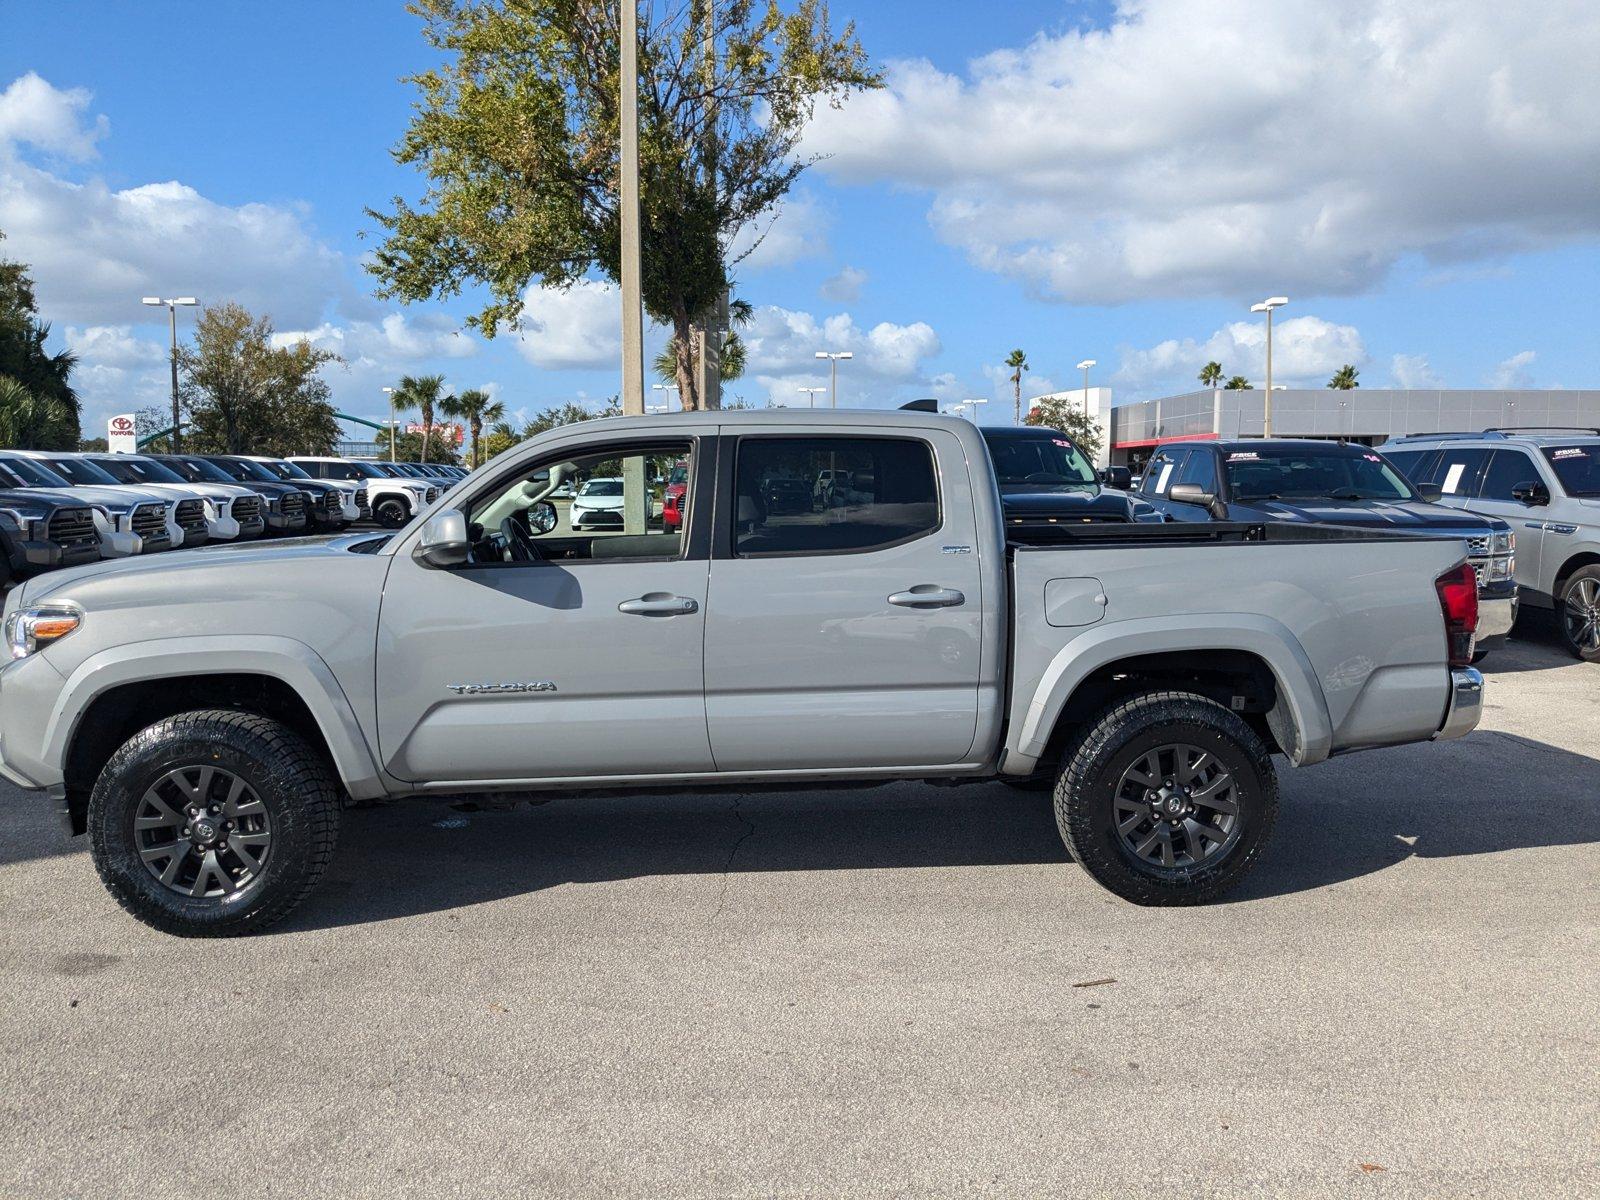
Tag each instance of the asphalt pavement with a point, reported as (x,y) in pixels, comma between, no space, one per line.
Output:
(904,990)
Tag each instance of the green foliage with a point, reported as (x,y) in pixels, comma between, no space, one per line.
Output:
(241,394)
(46,406)
(567,414)
(517,129)
(1236,383)
(474,407)
(1344,378)
(500,438)
(1211,374)
(426,394)
(408,448)
(1018,362)
(96,445)
(1067,415)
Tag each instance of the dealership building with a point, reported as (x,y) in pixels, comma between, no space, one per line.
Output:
(1367,415)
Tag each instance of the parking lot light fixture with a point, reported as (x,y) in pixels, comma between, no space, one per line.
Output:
(811,395)
(1266,306)
(833,357)
(1084,367)
(666,387)
(971,403)
(172,306)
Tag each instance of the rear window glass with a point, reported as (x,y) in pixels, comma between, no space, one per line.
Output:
(832,495)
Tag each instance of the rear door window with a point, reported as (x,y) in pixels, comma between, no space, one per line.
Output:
(1459,471)
(831,495)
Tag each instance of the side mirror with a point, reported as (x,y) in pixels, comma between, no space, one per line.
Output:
(1531,492)
(1429,493)
(1192,493)
(443,542)
(542,517)
(1117,477)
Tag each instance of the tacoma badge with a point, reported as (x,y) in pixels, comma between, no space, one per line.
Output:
(497,689)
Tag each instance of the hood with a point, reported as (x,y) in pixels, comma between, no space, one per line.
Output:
(1093,504)
(35,503)
(273,489)
(209,491)
(206,566)
(1413,515)
(600,501)
(117,499)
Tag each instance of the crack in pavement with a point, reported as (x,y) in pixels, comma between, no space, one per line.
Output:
(733,851)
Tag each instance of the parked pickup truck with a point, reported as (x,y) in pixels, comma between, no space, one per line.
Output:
(206,720)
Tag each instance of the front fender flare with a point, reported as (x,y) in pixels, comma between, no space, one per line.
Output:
(1300,692)
(292,662)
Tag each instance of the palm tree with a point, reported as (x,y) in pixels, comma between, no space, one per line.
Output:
(732,362)
(28,421)
(475,407)
(1211,374)
(1018,362)
(1237,383)
(425,393)
(1344,378)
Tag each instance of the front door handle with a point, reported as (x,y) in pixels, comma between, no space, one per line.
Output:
(659,604)
(928,595)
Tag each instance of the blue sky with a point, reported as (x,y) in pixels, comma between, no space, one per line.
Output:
(1074,179)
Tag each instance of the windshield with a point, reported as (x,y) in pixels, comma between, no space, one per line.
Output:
(25,472)
(138,470)
(283,470)
(1578,468)
(82,471)
(245,471)
(601,487)
(1281,474)
(1048,460)
(389,470)
(194,470)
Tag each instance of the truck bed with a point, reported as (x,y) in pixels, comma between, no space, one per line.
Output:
(1347,621)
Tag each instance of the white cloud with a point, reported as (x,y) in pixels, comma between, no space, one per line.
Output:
(845,286)
(1413,371)
(887,364)
(1305,350)
(580,326)
(1513,372)
(796,231)
(50,119)
(394,339)
(1240,146)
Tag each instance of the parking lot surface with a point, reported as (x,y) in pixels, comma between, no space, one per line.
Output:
(905,989)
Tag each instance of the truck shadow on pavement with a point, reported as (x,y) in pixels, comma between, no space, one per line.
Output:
(1342,821)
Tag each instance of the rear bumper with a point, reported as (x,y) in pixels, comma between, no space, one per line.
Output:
(1465,707)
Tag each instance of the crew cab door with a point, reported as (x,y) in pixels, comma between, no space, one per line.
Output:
(579,658)
(844,629)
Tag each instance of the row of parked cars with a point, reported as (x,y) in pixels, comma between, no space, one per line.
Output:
(1526,502)
(62,509)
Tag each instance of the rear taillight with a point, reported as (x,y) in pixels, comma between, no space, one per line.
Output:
(1458,601)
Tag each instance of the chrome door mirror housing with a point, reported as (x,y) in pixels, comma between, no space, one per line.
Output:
(443,541)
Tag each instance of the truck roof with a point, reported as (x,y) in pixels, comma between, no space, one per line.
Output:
(1241,444)
(823,418)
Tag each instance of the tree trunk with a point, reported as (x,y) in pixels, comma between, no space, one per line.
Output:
(427,426)
(683,343)
(477,428)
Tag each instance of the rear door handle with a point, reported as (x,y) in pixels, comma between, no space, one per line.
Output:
(659,604)
(928,595)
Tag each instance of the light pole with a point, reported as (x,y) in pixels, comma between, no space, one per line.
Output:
(1084,367)
(666,387)
(1266,306)
(833,357)
(811,395)
(971,402)
(172,321)
(632,296)
(388,391)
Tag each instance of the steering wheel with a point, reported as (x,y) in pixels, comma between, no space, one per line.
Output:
(519,542)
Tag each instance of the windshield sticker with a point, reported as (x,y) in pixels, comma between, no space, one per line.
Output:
(1062,442)
(1372,458)
(1452,478)
(1571,452)
(1161,483)
(1244,456)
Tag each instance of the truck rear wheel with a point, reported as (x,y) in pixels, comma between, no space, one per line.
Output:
(1579,611)
(1167,798)
(391,512)
(213,823)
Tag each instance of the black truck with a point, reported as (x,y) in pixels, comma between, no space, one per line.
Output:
(40,533)
(1045,479)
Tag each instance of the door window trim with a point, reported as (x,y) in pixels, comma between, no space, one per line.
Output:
(724,547)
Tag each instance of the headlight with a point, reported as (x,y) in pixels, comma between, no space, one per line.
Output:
(29,630)
(41,529)
(1505,542)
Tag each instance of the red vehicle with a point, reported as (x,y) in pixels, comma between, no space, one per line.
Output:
(672,498)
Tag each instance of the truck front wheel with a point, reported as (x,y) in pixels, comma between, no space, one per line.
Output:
(1167,798)
(391,512)
(213,823)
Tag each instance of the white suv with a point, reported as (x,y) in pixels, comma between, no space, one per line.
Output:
(394,501)
(1546,483)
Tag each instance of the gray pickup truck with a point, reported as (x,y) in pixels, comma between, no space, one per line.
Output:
(205,720)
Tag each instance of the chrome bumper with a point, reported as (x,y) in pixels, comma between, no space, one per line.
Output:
(1465,707)
(1496,616)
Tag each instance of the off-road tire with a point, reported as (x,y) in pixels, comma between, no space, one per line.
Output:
(293,782)
(391,512)
(1117,737)
(1589,577)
